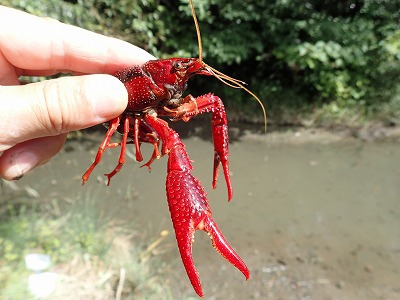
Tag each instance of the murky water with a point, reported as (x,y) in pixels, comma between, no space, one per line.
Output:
(314,216)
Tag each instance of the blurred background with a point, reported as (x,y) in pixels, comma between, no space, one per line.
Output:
(312,62)
(315,212)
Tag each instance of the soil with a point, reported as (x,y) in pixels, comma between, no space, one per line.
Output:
(315,214)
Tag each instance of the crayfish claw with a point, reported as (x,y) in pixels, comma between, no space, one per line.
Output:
(190,211)
(225,166)
(222,246)
(188,205)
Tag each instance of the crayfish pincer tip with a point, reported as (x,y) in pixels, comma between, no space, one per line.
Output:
(247,275)
(200,294)
(230,195)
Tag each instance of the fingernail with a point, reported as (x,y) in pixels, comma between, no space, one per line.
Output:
(21,164)
(107,95)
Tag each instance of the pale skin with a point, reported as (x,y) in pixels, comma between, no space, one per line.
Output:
(35,118)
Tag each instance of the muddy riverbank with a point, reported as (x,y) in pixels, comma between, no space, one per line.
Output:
(315,214)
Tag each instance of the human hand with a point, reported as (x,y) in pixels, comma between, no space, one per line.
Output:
(35,118)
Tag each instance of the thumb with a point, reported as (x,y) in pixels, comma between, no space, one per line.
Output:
(58,106)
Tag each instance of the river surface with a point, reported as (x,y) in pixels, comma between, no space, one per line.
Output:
(314,215)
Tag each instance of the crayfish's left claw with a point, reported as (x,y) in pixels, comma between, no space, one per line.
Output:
(190,212)
(189,206)
(222,246)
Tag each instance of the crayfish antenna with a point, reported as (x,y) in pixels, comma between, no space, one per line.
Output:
(196,24)
(237,84)
(232,82)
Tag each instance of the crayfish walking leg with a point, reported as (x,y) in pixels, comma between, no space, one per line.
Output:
(188,204)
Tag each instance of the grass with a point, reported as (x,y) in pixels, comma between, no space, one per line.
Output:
(94,254)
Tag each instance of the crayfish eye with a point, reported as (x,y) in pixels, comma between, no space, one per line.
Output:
(178,65)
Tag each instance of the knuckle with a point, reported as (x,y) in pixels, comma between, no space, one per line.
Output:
(55,114)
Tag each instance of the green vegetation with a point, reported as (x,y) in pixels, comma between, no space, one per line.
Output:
(324,61)
(91,251)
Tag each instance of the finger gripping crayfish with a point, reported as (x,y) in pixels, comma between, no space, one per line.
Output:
(156,90)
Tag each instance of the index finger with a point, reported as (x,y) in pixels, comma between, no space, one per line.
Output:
(46,44)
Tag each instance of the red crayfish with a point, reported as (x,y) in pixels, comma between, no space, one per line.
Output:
(155,89)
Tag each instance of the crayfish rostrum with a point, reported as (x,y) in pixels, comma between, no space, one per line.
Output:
(156,89)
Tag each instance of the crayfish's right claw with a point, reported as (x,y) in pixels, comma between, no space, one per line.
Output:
(221,158)
(221,141)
